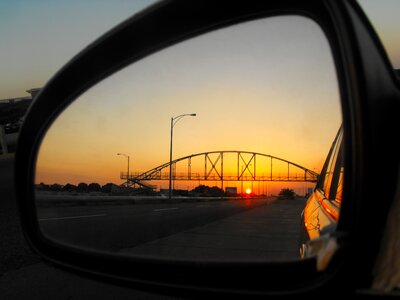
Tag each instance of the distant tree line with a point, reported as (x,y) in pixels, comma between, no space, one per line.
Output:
(199,191)
(112,188)
(287,194)
(206,191)
(80,188)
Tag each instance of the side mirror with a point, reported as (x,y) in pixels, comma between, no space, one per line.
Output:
(361,96)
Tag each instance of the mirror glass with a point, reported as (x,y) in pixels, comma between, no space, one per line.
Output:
(205,151)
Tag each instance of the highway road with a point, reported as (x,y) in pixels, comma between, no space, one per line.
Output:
(223,229)
(24,276)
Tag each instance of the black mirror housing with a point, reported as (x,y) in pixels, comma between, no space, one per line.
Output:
(370,97)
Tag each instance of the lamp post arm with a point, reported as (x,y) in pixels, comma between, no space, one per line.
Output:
(177,118)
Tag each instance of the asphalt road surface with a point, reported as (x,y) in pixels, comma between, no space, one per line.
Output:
(24,276)
(240,229)
(221,228)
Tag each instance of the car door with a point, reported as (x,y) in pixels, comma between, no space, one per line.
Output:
(321,212)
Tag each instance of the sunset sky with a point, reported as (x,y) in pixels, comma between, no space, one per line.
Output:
(267,86)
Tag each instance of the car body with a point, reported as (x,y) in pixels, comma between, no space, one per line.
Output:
(321,213)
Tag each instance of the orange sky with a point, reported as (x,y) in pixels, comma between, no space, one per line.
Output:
(266,86)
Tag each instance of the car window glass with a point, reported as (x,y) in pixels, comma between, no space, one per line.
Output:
(205,150)
(337,178)
(339,190)
(331,167)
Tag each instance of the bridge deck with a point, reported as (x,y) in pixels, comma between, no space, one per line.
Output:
(197,177)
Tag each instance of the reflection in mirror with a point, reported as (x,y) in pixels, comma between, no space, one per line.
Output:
(208,150)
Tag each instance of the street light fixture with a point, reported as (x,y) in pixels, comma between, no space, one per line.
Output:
(174,120)
(127,175)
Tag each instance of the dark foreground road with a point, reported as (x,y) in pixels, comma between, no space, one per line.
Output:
(237,230)
(240,229)
(113,228)
(24,276)
(267,232)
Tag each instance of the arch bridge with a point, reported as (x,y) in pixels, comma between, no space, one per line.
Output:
(224,166)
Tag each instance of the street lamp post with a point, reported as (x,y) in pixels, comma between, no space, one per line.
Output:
(127,175)
(174,120)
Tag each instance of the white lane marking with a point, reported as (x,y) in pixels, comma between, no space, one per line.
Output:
(73,217)
(162,209)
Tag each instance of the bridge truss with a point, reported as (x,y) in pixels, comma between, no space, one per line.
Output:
(225,166)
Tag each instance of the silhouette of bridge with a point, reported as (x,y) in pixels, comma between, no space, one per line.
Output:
(224,166)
